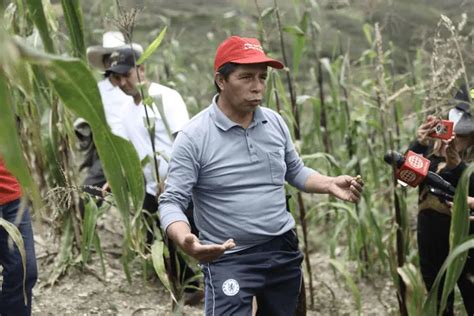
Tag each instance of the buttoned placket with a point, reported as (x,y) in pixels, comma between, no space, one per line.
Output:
(250,145)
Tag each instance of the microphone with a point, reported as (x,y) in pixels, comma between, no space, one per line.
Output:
(413,170)
(443,196)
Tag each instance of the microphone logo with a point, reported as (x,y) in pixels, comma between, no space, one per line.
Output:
(415,161)
(407,176)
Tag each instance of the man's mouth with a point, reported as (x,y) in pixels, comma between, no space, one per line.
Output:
(256,101)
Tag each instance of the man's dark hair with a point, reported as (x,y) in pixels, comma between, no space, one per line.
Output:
(225,70)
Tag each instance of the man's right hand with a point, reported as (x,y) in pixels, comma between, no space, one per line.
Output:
(181,234)
(204,253)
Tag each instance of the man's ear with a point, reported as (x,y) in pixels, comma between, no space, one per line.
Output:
(219,79)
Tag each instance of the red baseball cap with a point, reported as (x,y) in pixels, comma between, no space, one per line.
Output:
(243,50)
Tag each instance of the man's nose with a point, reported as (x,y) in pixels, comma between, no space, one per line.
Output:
(122,81)
(258,85)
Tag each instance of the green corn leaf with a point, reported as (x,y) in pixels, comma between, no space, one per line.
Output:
(158,100)
(157,255)
(65,250)
(10,150)
(152,47)
(368,30)
(458,232)
(293,29)
(349,282)
(329,158)
(88,228)
(76,87)
(298,48)
(431,303)
(98,248)
(266,12)
(73,16)
(415,289)
(346,207)
(35,7)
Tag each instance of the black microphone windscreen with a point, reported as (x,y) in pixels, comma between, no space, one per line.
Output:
(392,156)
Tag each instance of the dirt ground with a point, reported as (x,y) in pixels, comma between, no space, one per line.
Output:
(88,292)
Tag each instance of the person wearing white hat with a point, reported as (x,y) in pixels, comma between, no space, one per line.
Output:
(129,76)
(112,100)
(449,159)
(112,97)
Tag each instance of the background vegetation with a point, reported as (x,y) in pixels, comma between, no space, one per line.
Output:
(360,77)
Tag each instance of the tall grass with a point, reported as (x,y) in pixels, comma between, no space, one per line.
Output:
(343,114)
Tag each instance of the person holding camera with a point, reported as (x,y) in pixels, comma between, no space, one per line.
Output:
(449,158)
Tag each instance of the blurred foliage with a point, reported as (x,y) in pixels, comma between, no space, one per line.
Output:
(362,76)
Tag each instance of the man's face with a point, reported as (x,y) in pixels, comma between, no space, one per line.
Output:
(129,81)
(244,88)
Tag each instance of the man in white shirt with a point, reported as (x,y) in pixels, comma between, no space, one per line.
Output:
(113,99)
(163,117)
(138,119)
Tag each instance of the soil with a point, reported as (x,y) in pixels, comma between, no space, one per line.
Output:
(88,292)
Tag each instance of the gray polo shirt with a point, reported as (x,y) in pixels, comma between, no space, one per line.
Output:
(235,177)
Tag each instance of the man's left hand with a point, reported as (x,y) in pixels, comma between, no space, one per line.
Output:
(347,188)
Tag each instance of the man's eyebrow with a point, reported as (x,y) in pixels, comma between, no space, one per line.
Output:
(246,73)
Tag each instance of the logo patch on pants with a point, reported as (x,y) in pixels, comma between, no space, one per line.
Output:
(230,287)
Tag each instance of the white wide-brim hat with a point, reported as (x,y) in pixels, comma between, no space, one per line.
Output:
(111,41)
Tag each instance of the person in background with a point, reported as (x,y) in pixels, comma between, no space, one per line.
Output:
(12,295)
(232,160)
(449,159)
(113,100)
(129,76)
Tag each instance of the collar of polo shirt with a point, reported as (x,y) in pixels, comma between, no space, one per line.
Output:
(224,123)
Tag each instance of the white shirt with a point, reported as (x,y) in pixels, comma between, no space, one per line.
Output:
(134,126)
(113,99)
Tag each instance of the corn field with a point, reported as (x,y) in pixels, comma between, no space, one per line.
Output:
(345,110)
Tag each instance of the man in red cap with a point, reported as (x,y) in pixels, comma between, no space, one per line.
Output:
(12,299)
(232,160)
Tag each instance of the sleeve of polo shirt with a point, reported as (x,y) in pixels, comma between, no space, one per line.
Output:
(175,111)
(182,176)
(296,173)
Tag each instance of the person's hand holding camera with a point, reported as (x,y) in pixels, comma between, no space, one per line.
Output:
(453,159)
(422,134)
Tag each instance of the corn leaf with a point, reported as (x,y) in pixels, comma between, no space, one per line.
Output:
(157,255)
(415,289)
(35,7)
(73,16)
(88,228)
(10,150)
(430,307)
(152,47)
(266,12)
(458,232)
(349,282)
(76,87)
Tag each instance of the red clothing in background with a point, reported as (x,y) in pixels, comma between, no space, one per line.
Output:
(9,186)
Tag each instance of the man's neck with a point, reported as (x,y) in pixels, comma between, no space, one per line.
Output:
(242,118)
(137,98)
